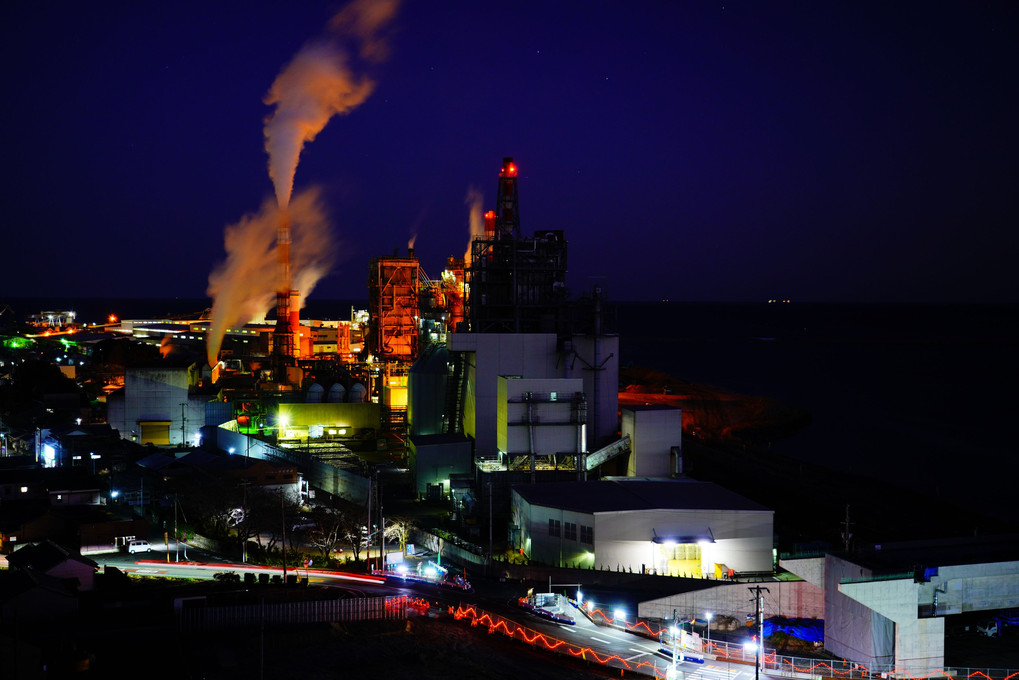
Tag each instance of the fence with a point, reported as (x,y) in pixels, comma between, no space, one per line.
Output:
(199,619)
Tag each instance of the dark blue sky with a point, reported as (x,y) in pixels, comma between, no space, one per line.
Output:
(690,150)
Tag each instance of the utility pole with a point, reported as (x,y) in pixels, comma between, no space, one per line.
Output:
(368,529)
(283,516)
(244,543)
(758,603)
(489,519)
(672,672)
(183,420)
(847,535)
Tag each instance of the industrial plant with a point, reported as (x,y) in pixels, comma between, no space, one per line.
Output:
(485,391)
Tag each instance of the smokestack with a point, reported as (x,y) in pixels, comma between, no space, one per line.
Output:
(282,335)
(295,320)
(507,217)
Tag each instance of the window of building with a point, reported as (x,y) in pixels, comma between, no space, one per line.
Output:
(586,534)
(553,527)
(570,533)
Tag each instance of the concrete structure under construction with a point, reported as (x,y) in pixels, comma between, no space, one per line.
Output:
(885,606)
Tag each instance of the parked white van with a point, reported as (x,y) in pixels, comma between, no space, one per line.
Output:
(138,545)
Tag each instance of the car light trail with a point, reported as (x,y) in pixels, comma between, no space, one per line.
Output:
(218,566)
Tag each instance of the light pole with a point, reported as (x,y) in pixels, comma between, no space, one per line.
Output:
(759,601)
(183,420)
(709,628)
(672,673)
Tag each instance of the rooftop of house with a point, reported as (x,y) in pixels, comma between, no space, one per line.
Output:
(630,494)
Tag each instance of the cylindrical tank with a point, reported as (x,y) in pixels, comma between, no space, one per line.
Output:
(357,394)
(315,394)
(336,394)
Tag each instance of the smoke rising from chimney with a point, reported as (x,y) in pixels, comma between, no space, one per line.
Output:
(318,84)
(475,218)
(243,287)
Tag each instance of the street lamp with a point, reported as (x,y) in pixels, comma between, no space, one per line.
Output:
(672,673)
(709,615)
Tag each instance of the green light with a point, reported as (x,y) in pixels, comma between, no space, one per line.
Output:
(18,343)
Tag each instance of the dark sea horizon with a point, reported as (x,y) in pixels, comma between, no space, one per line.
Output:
(919,395)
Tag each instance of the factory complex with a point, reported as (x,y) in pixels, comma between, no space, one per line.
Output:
(487,391)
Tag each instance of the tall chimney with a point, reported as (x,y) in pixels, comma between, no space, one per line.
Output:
(282,334)
(295,320)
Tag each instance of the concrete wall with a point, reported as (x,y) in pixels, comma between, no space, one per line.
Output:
(792,599)
(853,630)
(554,429)
(920,642)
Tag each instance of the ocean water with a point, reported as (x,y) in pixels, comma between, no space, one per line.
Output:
(921,395)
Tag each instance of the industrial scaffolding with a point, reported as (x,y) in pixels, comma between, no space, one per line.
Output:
(517,285)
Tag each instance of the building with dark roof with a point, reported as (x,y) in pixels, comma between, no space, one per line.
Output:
(678,527)
(54,560)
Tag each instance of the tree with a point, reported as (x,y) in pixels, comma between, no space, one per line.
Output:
(354,531)
(211,502)
(329,535)
(399,529)
(267,508)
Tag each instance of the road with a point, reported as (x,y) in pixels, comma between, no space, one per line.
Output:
(489,595)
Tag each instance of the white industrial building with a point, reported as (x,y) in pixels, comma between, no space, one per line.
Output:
(541,418)
(158,405)
(656,440)
(676,527)
(498,370)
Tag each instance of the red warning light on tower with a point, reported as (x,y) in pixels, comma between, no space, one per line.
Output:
(509,169)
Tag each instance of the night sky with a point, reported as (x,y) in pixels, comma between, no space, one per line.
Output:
(816,151)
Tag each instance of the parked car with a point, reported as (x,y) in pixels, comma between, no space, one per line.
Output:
(138,545)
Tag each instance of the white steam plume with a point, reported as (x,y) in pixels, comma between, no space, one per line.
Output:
(243,287)
(318,84)
(476,221)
